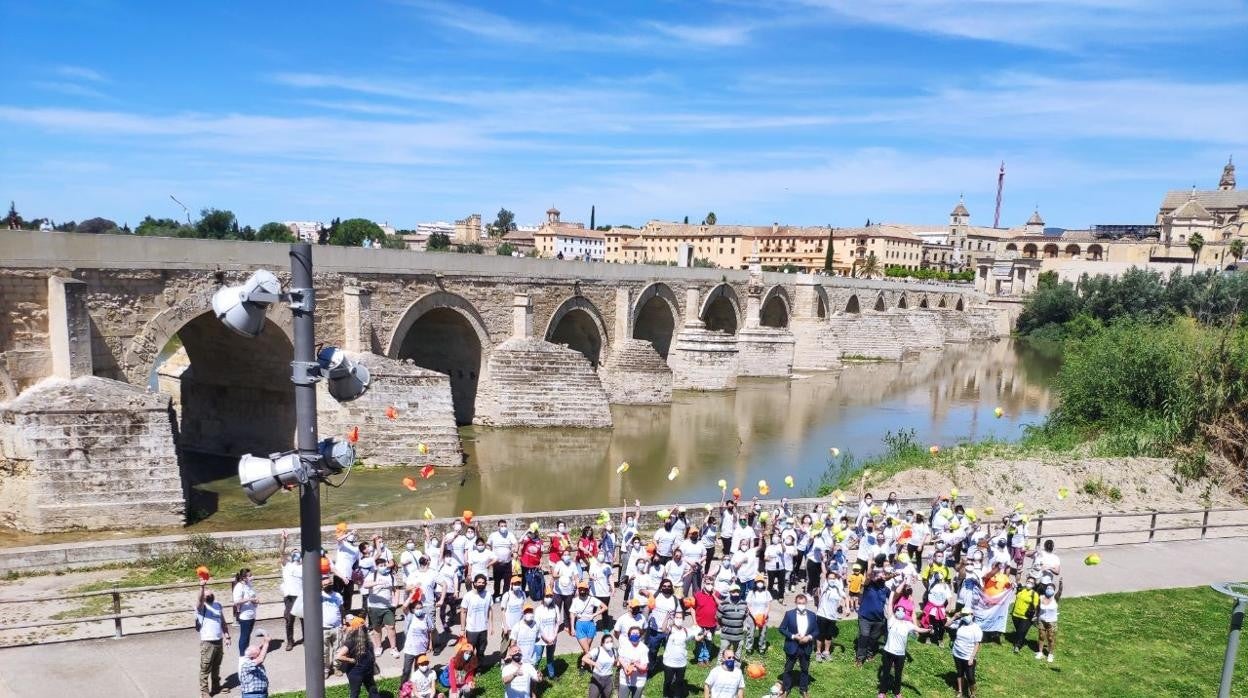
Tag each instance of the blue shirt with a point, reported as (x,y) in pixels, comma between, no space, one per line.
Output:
(874,599)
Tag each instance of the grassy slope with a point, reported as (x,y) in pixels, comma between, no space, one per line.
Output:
(1156,643)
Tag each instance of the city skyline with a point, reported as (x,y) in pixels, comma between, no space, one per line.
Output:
(806,113)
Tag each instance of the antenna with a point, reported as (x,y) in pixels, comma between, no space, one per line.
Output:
(996,217)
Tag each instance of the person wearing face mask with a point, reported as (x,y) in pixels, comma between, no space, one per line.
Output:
(601,662)
(408,566)
(526,634)
(416,637)
(758,603)
(663,607)
(725,680)
(474,616)
(900,628)
(531,562)
(245,602)
(692,554)
(968,637)
(871,615)
(827,612)
(936,607)
(1047,616)
(600,588)
(634,663)
(457,544)
(214,635)
(585,612)
(1023,611)
(378,590)
(665,541)
(548,619)
(745,561)
(346,561)
(331,622)
(424,681)
(564,575)
(798,628)
(462,670)
(503,544)
(676,655)
(728,524)
(731,617)
(586,545)
(560,542)
(705,608)
(513,603)
(609,547)
(480,559)
(920,532)
(434,551)
(518,675)
(773,565)
(355,658)
(292,588)
(865,504)
(708,533)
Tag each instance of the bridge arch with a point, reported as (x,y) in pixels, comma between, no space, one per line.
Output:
(231,395)
(655,316)
(923,301)
(721,311)
(852,305)
(943,303)
(578,324)
(901,301)
(959,306)
(775,310)
(880,304)
(443,332)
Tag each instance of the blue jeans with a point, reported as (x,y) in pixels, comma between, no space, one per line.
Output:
(256,695)
(244,635)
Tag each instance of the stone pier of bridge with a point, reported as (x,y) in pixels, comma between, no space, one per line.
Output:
(111,361)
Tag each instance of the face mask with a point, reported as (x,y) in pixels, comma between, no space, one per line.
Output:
(479,587)
(410,547)
(630,521)
(563,528)
(351,538)
(384,570)
(735,597)
(528,618)
(502,530)
(420,613)
(730,664)
(433,542)
(1049,593)
(466,655)
(634,637)
(665,592)
(480,548)
(457,527)
(582,593)
(608,646)
(424,668)
(567,558)
(470,535)
(775,539)
(801,607)
(548,601)
(900,614)
(516,588)
(940,559)
(867,500)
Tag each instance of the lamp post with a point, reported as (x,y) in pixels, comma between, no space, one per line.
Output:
(242,309)
(1239,592)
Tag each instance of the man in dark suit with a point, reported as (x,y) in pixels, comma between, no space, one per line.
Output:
(798,629)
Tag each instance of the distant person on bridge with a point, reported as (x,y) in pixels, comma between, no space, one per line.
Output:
(214,632)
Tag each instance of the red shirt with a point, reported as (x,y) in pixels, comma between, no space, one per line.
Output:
(558,543)
(586,548)
(531,552)
(705,606)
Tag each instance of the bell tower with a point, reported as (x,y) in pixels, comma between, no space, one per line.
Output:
(1227,183)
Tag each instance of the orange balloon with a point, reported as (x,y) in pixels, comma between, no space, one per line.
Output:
(324,565)
(392,413)
(427,471)
(755,670)
(202,572)
(341,527)
(467,516)
(736,493)
(354,435)
(688,602)
(409,483)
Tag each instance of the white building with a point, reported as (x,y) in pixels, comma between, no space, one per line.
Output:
(306,231)
(563,240)
(427,229)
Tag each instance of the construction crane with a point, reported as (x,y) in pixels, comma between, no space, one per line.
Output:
(996,217)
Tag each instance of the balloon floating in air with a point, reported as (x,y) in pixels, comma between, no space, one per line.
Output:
(673,473)
(392,413)
(410,483)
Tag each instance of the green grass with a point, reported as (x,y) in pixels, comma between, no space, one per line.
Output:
(1147,644)
(222,561)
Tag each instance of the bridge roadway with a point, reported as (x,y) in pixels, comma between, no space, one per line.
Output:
(164,665)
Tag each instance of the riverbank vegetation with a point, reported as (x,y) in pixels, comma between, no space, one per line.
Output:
(1141,631)
(1152,366)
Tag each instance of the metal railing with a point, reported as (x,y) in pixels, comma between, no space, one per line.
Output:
(1097,531)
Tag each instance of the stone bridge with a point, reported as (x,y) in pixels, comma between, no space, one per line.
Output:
(143,375)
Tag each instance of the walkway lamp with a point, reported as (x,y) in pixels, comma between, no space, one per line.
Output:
(243,308)
(1239,592)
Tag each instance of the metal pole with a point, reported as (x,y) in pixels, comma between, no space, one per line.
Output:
(1232,646)
(306,443)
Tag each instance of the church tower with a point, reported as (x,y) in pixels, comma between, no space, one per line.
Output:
(1227,183)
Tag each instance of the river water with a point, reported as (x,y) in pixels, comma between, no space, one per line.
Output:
(766,429)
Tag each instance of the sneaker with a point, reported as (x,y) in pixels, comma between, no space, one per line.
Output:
(395,653)
(1016,650)
(1050,659)
(1039,655)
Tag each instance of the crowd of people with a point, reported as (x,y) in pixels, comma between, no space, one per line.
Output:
(703,587)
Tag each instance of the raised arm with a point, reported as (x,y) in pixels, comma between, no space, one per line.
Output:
(281,555)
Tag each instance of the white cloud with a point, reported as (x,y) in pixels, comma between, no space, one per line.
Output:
(77,72)
(1055,24)
(68,88)
(706,34)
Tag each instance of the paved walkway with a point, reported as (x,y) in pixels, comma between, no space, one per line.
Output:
(165,664)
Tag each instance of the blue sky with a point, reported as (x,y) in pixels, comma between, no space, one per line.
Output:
(797,111)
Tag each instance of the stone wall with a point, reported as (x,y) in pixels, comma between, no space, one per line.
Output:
(533,383)
(635,374)
(869,335)
(703,360)
(764,352)
(422,414)
(25,356)
(816,346)
(88,453)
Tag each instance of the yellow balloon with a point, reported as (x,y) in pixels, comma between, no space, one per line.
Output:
(428,513)
(999,412)
(422,447)
(934,449)
(723,484)
(835,451)
(673,474)
(1062,493)
(709,506)
(664,513)
(1092,559)
(953,493)
(788,480)
(1018,506)
(989,511)
(622,469)
(762,484)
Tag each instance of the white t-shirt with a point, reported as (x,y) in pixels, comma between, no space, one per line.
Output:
(522,683)
(565,575)
(830,600)
(547,622)
(346,558)
(757,602)
(675,652)
(525,636)
(1048,561)
(210,622)
(513,607)
(407,563)
(746,564)
(938,594)
(584,609)
(380,593)
(1048,610)
(477,607)
(965,640)
(604,661)
(459,549)
(728,524)
(675,571)
(416,642)
(773,557)
(627,622)
(898,632)
(246,609)
(292,579)
(423,683)
(331,609)
(638,654)
(502,545)
(599,583)
(664,607)
(664,541)
(724,683)
(693,552)
(479,562)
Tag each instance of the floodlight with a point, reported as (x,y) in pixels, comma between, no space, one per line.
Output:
(263,477)
(337,455)
(241,308)
(346,379)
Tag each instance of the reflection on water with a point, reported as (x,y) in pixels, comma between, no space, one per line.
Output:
(766,429)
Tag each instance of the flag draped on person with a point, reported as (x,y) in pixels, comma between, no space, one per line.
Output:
(991,606)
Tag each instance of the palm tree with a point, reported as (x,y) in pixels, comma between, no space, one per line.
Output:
(1236,246)
(1196,242)
(870,267)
